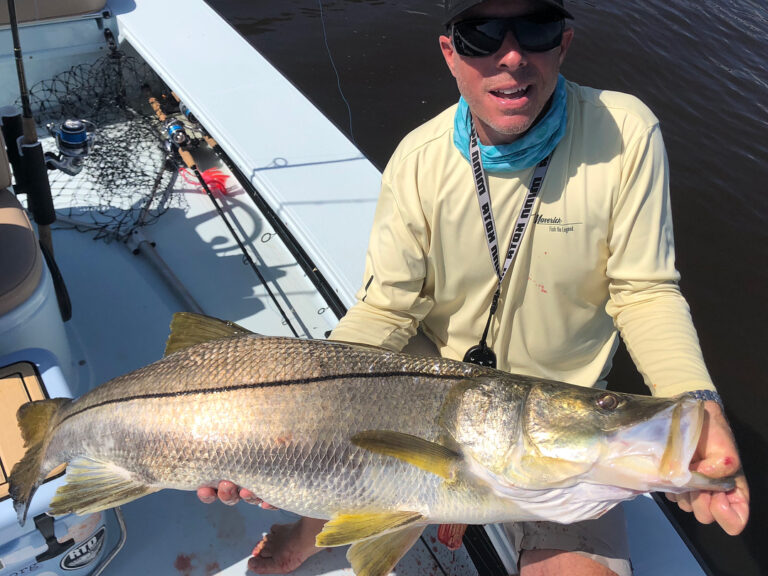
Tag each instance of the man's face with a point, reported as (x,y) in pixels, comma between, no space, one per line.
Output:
(508,90)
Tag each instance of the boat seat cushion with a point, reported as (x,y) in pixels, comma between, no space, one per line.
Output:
(37,10)
(21,261)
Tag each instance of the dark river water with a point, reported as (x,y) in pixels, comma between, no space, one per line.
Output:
(374,68)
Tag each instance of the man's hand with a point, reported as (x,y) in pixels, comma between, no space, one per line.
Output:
(717,457)
(230,494)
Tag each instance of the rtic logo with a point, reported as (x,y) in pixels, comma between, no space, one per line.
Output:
(84,553)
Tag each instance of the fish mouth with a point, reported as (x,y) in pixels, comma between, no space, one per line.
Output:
(685,429)
(656,454)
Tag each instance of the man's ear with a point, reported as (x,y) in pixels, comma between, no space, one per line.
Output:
(449,53)
(568,34)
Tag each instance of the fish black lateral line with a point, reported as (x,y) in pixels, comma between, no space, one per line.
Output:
(255,385)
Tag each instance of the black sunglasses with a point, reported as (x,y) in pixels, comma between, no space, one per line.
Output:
(484,36)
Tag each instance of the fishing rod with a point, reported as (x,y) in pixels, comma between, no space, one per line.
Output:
(327,291)
(33,176)
(179,141)
(31,172)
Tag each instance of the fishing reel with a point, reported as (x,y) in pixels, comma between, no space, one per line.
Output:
(178,136)
(176,133)
(74,139)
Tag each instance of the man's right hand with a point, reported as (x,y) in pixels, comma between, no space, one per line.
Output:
(230,494)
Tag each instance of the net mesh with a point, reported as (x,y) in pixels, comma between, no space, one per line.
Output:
(127,179)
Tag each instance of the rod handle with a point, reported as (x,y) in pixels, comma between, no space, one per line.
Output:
(187,158)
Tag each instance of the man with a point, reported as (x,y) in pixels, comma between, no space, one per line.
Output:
(522,228)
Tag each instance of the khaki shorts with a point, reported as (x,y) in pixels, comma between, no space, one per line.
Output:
(603,540)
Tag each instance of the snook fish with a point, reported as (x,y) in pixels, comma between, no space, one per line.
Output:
(379,443)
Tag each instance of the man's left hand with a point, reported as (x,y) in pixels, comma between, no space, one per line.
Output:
(717,457)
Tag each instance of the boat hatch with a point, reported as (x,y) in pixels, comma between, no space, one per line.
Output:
(19,384)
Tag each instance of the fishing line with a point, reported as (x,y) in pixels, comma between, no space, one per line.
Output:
(243,249)
(335,70)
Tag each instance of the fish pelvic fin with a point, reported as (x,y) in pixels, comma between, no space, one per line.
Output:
(348,528)
(37,422)
(189,329)
(93,485)
(378,556)
(424,454)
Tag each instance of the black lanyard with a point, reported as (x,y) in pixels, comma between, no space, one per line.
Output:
(481,354)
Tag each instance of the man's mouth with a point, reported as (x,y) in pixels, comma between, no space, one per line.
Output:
(511,93)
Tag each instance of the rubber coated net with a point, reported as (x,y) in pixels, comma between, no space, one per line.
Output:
(126,180)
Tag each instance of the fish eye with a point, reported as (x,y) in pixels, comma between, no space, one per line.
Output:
(608,401)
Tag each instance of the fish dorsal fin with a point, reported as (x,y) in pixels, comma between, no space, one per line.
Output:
(429,456)
(347,528)
(378,556)
(189,329)
(93,485)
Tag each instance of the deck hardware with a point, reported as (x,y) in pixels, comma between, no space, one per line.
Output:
(44,525)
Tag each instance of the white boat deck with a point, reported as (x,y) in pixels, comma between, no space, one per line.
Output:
(319,184)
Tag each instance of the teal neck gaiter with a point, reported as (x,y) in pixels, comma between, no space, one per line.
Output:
(532,148)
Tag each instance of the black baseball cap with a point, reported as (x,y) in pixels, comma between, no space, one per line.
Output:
(455,7)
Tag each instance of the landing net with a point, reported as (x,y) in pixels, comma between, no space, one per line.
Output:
(127,179)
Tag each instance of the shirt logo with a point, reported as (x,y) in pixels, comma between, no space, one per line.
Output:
(555,223)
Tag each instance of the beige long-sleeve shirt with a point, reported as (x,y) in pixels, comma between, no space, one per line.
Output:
(598,254)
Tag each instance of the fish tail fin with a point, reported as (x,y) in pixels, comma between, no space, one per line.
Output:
(37,422)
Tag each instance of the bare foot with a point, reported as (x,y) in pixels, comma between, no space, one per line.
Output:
(286,547)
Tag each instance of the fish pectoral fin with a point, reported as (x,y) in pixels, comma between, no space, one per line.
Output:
(93,485)
(347,528)
(189,329)
(424,454)
(378,556)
